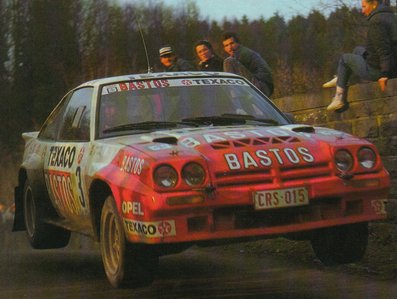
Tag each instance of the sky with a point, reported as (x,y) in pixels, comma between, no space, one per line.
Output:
(254,9)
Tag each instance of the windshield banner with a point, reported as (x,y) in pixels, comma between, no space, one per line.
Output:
(161,83)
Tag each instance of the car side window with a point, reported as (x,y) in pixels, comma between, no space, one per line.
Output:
(49,131)
(75,123)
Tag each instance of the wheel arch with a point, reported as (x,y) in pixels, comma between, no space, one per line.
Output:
(99,191)
(40,190)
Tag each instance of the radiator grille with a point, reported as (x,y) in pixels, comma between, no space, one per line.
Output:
(249,142)
(268,176)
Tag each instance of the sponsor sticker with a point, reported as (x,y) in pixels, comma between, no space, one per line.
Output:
(207,81)
(159,147)
(260,158)
(61,156)
(131,164)
(379,206)
(133,207)
(134,85)
(162,83)
(61,186)
(156,229)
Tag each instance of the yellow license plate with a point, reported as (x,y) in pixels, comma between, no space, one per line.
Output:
(280,198)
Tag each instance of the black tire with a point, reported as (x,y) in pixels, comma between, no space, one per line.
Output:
(341,244)
(126,265)
(40,234)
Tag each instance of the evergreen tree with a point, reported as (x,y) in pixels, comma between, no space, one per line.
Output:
(22,72)
(5,96)
(48,47)
(94,52)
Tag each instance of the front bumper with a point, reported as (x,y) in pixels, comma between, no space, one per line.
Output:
(229,212)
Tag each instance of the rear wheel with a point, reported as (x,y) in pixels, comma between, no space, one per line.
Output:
(40,234)
(126,265)
(341,244)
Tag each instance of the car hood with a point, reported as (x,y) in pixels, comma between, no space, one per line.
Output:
(203,136)
(243,147)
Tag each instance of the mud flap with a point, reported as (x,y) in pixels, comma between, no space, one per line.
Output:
(19,222)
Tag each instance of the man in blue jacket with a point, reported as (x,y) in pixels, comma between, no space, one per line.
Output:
(248,63)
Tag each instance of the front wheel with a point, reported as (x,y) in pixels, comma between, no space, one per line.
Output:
(125,265)
(40,234)
(341,244)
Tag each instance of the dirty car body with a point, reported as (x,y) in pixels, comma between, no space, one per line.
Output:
(150,164)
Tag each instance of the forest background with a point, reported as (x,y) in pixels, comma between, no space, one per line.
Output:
(48,47)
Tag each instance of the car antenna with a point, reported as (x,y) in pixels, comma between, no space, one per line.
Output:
(149,68)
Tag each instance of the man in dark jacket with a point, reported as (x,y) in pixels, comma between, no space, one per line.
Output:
(248,63)
(382,42)
(378,63)
(171,63)
(208,60)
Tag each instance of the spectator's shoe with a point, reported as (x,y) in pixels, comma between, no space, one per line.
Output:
(344,108)
(336,104)
(330,83)
(338,101)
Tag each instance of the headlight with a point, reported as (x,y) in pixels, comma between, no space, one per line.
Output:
(367,157)
(193,174)
(165,176)
(343,160)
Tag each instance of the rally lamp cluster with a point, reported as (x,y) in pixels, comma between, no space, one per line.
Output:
(344,159)
(192,174)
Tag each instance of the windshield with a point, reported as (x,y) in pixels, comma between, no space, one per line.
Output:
(147,105)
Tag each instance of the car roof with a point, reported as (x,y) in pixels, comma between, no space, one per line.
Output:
(152,76)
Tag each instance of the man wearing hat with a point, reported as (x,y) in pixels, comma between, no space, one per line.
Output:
(171,63)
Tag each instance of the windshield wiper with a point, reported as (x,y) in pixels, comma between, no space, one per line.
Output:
(148,125)
(251,117)
(227,119)
(214,120)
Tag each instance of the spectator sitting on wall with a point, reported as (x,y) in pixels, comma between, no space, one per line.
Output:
(208,60)
(378,62)
(248,63)
(172,63)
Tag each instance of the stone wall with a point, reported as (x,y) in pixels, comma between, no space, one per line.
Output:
(372,114)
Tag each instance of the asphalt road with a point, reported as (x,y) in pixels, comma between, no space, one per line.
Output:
(216,272)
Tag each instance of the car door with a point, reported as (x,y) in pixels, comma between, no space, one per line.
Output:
(65,158)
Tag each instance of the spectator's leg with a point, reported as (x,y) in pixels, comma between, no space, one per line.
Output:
(352,68)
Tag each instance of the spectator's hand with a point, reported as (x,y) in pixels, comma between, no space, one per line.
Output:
(383,83)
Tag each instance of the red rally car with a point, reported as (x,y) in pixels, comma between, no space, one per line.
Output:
(151,164)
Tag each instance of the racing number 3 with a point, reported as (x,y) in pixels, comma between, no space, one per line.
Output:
(81,193)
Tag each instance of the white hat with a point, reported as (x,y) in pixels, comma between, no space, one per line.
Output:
(165,51)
